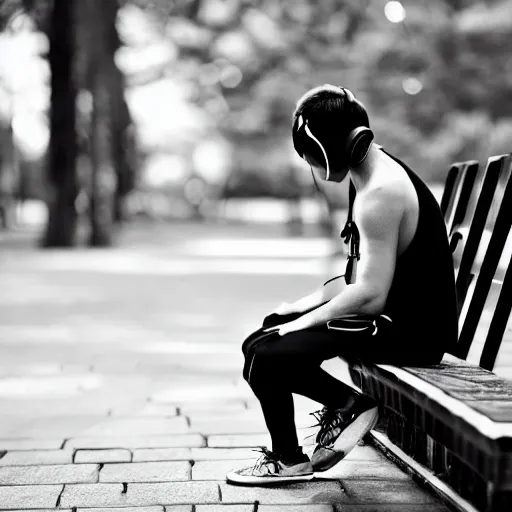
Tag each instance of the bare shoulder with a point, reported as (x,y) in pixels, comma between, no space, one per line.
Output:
(381,207)
(389,207)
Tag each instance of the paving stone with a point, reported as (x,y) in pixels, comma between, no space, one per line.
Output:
(59,407)
(227,415)
(156,454)
(122,509)
(29,496)
(350,469)
(102,456)
(145,409)
(57,426)
(57,474)
(213,408)
(223,453)
(140,426)
(227,426)
(36,458)
(238,440)
(239,507)
(217,469)
(179,508)
(39,509)
(392,507)
(159,410)
(173,493)
(175,441)
(300,493)
(197,454)
(31,444)
(196,392)
(97,495)
(146,472)
(385,491)
(295,508)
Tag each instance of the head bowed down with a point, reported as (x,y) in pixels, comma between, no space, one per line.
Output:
(331,129)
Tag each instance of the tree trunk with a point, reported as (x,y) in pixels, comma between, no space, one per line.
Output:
(100,19)
(103,174)
(9,173)
(123,142)
(62,219)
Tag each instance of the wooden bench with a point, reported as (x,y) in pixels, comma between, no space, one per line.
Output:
(456,417)
(457,192)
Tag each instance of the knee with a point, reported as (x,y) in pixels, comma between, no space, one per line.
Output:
(267,371)
(261,371)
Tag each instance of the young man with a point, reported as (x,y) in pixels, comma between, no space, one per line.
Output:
(404,271)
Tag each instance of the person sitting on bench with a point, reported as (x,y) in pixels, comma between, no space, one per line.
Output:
(399,247)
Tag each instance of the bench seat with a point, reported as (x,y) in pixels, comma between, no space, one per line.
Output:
(455,418)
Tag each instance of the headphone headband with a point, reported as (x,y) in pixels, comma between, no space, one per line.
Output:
(358,142)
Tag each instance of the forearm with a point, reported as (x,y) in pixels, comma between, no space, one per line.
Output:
(355,299)
(324,294)
(311,301)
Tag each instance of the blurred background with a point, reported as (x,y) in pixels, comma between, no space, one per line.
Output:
(152,209)
(114,112)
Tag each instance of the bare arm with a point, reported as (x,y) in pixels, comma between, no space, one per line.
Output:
(379,223)
(316,298)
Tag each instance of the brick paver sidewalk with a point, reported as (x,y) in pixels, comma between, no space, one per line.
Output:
(120,385)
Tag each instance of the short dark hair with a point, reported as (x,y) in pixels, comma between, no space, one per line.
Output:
(331,117)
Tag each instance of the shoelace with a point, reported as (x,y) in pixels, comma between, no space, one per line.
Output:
(267,458)
(326,420)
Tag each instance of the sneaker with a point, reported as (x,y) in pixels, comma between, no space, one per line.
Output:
(268,469)
(341,430)
(310,440)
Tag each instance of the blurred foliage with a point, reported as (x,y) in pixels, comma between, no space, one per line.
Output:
(436,86)
(457,50)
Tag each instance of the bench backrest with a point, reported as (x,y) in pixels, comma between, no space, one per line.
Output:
(450,186)
(457,191)
(466,237)
(495,327)
(491,249)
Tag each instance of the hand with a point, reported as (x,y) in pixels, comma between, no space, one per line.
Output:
(286,328)
(284,309)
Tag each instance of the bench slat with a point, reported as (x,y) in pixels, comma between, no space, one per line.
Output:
(457,191)
(472,226)
(491,250)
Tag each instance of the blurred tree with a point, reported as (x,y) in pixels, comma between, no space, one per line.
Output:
(436,86)
(62,220)
(111,134)
(8,173)
(86,36)
(96,28)
(9,168)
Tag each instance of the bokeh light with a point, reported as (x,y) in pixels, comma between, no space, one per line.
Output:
(412,86)
(211,160)
(395,12)
(163,170)
(231,77)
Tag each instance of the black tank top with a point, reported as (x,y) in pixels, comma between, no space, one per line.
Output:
(422,300)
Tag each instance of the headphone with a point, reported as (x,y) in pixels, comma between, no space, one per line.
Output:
(357,145)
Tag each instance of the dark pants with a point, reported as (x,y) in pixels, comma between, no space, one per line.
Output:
(277,366)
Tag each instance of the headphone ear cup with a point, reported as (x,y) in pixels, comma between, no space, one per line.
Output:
(358,145)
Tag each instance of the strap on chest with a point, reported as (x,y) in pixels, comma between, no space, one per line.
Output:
(350,233)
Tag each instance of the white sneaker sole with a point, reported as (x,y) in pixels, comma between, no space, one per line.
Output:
(349,438)
(235,478)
